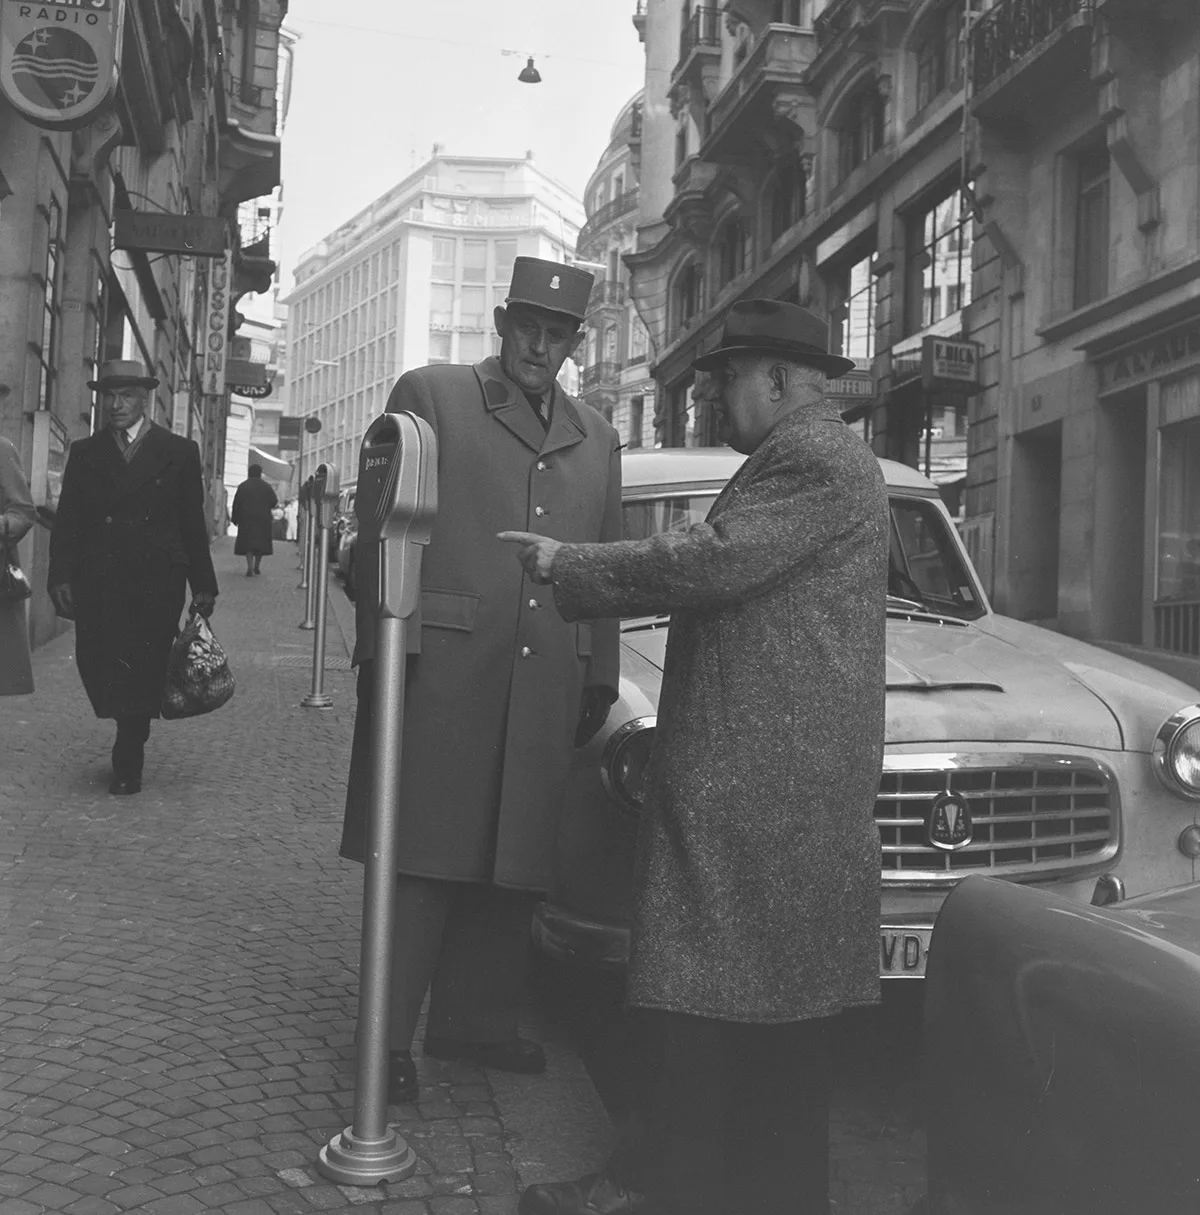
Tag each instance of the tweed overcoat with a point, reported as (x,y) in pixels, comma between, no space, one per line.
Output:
(494,692)
(251,514)
(756,894)
(126,537)
(17,515)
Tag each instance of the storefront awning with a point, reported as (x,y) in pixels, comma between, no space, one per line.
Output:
(272,466)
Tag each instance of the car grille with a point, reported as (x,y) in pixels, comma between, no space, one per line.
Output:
(1031,816)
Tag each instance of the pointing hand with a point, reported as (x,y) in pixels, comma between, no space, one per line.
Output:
(536,553)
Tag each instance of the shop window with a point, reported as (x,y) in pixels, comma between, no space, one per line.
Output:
(1179,513)
(686,294)
(51,305)
(733,250)
(939,54)
(439,347)
(474,261)
(785,200)
(1091,225)
(938,268)
(854,320)
(443,257)
(860,134)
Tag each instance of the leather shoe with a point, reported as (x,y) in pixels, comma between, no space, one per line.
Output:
(594,1194)
(519,1055)
(125,784)
(402,1077)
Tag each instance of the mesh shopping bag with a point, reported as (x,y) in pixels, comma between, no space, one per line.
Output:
(198,676)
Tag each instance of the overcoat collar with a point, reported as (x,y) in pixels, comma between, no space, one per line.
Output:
(150,456)
(510,407)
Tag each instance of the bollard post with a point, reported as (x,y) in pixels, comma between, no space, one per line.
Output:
(310,561)
(325,492)
(395,504)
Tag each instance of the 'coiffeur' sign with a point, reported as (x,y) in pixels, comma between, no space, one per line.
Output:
(58,59)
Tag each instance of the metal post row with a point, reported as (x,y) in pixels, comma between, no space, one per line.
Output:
(308,582)
(396,501)
(325,499)
(302,533)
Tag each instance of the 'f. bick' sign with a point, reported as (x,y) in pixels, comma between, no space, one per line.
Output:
(58,59)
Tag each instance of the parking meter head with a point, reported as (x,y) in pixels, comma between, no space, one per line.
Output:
(325,494)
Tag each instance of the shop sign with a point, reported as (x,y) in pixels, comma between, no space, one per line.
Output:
(244,372)
(157,232)
(289,434)
(851,389)
(58,59)
(950,363)
(1153,358)
(215,339)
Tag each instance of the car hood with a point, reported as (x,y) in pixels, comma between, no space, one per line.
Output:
(951,684)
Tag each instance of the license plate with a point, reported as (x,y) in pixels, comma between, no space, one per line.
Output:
(903,951)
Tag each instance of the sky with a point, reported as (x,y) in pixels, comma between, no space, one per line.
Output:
(377,83)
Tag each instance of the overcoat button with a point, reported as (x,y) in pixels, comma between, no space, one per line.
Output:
(526,652)
(108,518)
(533,603)
(542,466)
(539,511)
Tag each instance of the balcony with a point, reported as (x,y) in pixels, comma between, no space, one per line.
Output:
(607,294)
(1022,51)
(701,33)
(600,375)
(765,98)
(608,214)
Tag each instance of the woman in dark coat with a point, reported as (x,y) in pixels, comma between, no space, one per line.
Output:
(16,518)
(252,506)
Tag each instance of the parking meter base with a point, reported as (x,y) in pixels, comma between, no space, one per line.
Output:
(350,1161)
(317,700)
(307,625)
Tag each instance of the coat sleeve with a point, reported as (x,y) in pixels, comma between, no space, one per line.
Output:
(65,532)
(16,503)
(604,669)
(793,508)
(201,576)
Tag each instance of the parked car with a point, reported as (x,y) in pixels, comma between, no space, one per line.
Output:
(1012,751)
(345,518)
(1059,1056)
(344,556)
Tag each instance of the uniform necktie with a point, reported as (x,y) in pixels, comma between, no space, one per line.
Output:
(125,439)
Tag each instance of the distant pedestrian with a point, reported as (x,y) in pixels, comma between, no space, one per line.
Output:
(278,523)
(501,689)
(17,516)
(129,534)
(291,517)
(253,505)
(756,891)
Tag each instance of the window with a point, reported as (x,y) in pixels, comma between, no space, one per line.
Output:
(639,340)
(733,250)
(861,133)
(474,304)
(855,320)
(681,149)
(792,12)
(1179,513)
(474,261)
(470,347)
(439,347)
(786,199)
(1091,226)
(506,254)
(637,413)
(687,294)
(618,187)
(51,305)
(939,55)
(938,272)
(443,257)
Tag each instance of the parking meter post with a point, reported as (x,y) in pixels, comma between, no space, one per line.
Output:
(326,496)
(395,504)
(306,552)
(310,560)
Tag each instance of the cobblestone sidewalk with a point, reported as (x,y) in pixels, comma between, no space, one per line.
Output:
(179,968)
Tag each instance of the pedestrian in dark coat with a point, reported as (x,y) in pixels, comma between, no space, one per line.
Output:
(251,515)
(17,516)
(500,687)
(757,879)
(128,535)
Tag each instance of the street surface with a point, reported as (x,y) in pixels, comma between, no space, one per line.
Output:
(179,972)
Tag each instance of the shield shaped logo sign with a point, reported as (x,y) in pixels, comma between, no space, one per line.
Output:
(949,826)
(58,60)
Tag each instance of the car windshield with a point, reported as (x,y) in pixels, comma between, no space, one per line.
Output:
(926,571)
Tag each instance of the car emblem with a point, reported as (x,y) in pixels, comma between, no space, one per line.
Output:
(949,825)
(554,284)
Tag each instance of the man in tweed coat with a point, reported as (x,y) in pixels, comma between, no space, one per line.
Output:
(757,881)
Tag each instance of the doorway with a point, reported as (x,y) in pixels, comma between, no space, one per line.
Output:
(1035,523)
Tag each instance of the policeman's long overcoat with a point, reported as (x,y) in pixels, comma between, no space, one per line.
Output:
(757,882)
(127,537)
(494,692)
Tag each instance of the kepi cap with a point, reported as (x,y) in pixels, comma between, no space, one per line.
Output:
(774,327)
(551,285)
(122,373)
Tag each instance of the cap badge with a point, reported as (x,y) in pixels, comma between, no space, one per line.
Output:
(554,283)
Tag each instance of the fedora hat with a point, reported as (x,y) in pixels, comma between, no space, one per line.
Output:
(773,327)
(550,285)
(122,373)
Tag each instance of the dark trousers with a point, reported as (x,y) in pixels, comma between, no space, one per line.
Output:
(129,750)
(729,1118)
(467,944)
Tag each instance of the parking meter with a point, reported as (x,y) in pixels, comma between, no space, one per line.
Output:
(395,502)
(324,510)
(325,492)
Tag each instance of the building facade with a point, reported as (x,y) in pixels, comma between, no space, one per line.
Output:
(189,133)
(615,360)
(412,280)
(1085,443)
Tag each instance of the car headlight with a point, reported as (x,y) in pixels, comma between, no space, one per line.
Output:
(624,761)
(1176,753)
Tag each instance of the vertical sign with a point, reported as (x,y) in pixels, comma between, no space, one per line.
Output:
(215,327)
(58,59)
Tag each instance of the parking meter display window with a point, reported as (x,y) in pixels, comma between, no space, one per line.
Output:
(374,472)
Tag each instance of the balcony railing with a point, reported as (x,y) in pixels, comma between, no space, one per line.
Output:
(702,28)
(599,374)
(1013,28)
(607,214)
(832,22)
(249,93)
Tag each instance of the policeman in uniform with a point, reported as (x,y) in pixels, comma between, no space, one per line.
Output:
(500,688)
